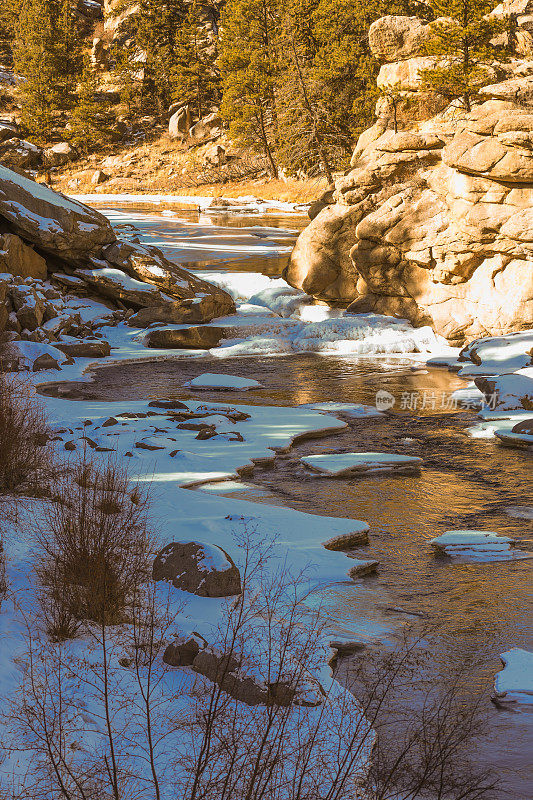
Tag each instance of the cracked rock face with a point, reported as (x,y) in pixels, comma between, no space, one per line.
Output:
(433,224)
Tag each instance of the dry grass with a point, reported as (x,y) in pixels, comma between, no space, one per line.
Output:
(163,167)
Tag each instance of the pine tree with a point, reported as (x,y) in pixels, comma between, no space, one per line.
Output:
(88,124)
(301,112)
(328,81)
(346,70)
(158,24)
(47,52)
(249,65)
(8,14)
(195,77)
(463,45)
(128,73)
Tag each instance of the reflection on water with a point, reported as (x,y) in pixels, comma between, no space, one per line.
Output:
(245,243)
(287,380)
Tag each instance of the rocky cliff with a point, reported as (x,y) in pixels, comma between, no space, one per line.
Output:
(434,223)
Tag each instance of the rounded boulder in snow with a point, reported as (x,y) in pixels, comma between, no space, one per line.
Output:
(202,569)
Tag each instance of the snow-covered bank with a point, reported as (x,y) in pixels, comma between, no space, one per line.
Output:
(502,389)
(246,204)
(171,457)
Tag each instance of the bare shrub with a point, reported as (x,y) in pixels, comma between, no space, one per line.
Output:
(246,167)
(25,462)
(3,578)
(93,541)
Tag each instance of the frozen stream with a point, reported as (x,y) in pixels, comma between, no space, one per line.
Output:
(465,483)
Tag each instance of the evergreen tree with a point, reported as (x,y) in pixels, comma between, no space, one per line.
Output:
(302,114)
(249,65)
(328,81)
(128,72)
(463,45)
(8,15)
(88,121)
(47,52)
(195,77)
(346,70)
(158,24)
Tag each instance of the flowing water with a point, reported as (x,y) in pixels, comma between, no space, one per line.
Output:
(465,483)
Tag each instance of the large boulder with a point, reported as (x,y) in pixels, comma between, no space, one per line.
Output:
(117,285)
(202,569)
(85,349)
(20,154)
(59,154)
(394,38)
(53,222)
(20,259)
(177,296)
(209,127)
(7,130)
(183,650)
(193,337)
(433,224)
(230,673)
(508,392)
(179,124)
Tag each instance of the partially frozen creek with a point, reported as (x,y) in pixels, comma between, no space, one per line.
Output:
(465,483)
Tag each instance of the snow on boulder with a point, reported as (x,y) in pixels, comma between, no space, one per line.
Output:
(514,683)
(200,301)
(282,300)
(115,284)
(211,380)
(202,569)
(183,650)
(495,355)
(508,392)
(34,356)
(521,435)
(50,220)
(478,546)
(342,465)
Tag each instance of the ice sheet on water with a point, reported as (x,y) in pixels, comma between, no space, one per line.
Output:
(514,683)
(348,409)
(212,380)
(345,464)
(472,545)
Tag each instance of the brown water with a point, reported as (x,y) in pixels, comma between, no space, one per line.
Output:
(465,483)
